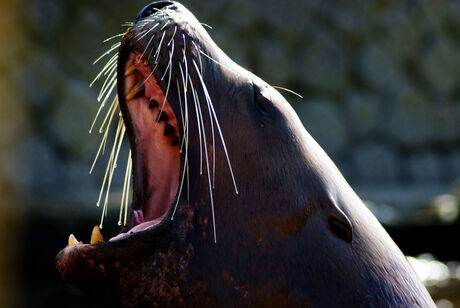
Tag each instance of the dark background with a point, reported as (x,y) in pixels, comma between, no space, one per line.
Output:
(381,94)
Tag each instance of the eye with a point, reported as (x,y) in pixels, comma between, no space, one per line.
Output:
(259,102)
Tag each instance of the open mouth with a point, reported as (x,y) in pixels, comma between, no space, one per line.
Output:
(155,144)
(154,136)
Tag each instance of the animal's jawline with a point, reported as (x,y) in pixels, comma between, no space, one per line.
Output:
(155,146)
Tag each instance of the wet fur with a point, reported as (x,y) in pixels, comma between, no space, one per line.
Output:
(295,235)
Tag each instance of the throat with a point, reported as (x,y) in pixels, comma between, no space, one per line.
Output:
(154,139)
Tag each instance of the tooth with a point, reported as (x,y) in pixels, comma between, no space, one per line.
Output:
(169,130)
(175,141)
(138,87)
(153,103)
(73,241)
(96,236)
(162,117)
(130,70)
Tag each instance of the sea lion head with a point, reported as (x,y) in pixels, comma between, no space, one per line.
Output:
(233,202)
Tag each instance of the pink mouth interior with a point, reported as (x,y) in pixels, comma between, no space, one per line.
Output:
(156,142)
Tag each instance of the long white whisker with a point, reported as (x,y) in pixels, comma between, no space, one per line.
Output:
(147,32)
(103,104)
(108,82)
(106,67)
(148,44)
(104,138)
(199,128)
(123,194)
(169,63)
(157,53)
(113,37)
(181,112)
(208,102)
(218,128)
(108,169)
(167,88)
(172,37)
(113,158)
(184,82)
(205,148)
(166,23)
(110,113)
(112,48)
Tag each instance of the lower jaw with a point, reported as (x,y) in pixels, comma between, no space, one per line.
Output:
(140,227)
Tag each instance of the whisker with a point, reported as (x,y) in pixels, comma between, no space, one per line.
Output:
(185,47)
(107,67)
(206,25)
(148,44)
(288,90)
(205,90)
(123,194)
(185,103)
(140,32)
(104,138)
(157,53)
(217,62)
(112,48)
(111,78)
(147,32)
(110,113)
(166,23)
(129,171)
(170,61)
(199,129)
(187,126)
(113,37)
(172,37)
(205,148)
(208,102)
(106,99)
(181,112)
(113,157)
(198,49)
(109,166)
(167,87)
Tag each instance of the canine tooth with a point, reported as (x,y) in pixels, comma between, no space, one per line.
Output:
(169,130)
(130,70)
(138,87)
(73,241)
(96,236)
(175,141)
(153,103)
(162,117)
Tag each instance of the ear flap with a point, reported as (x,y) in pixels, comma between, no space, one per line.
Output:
(337,222)
(340,226)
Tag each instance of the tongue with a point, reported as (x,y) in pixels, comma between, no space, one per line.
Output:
(140,227)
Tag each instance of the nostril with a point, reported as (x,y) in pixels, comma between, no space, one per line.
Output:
(152,8)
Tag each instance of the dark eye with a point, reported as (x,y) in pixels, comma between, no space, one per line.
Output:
(259,102)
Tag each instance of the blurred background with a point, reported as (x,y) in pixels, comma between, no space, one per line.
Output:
(381,94)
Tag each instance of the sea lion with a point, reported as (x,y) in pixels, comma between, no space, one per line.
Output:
(234,203)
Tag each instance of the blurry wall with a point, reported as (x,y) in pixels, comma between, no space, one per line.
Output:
(381,93)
